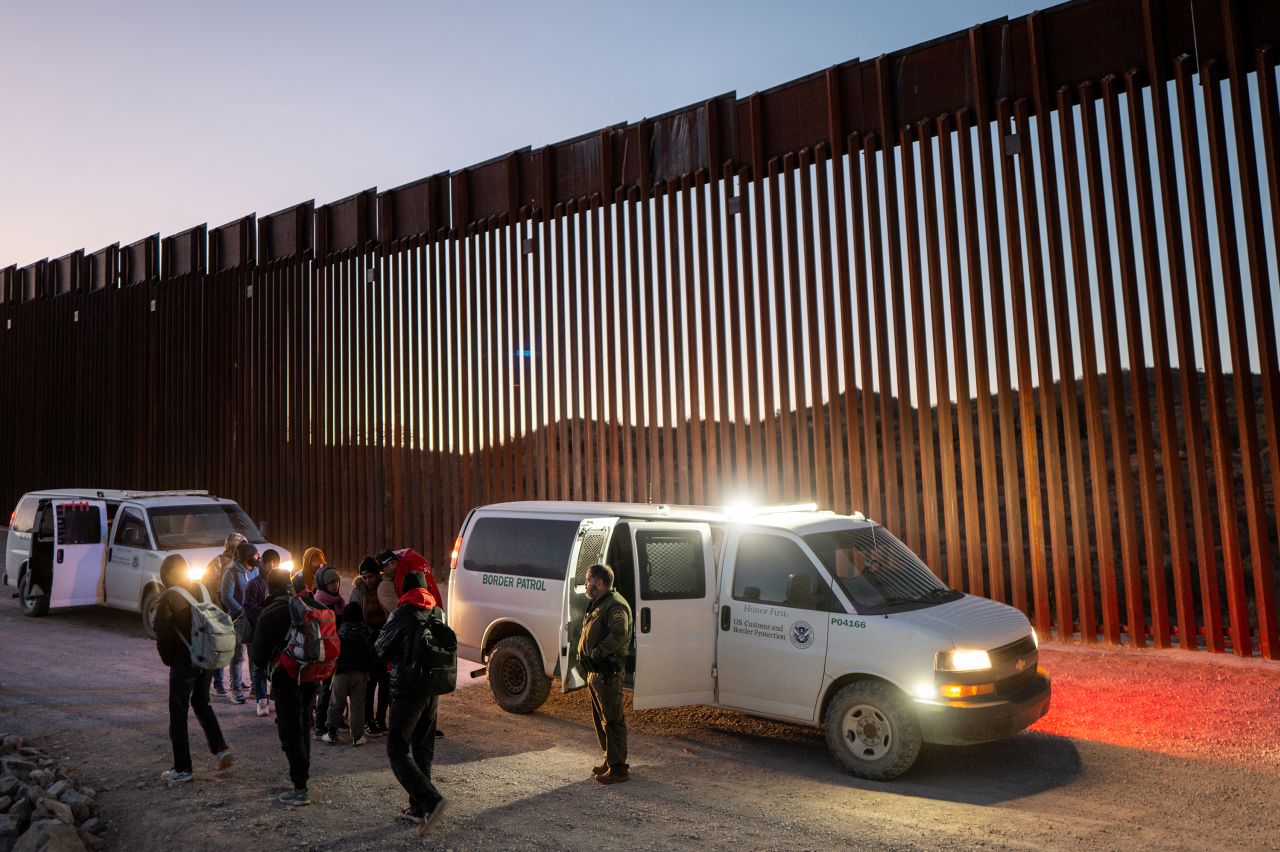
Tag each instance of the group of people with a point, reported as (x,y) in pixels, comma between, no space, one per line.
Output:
(375,664)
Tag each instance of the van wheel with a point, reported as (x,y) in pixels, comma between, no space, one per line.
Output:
(516,678)
(31,605)
(872,731)
(150,603)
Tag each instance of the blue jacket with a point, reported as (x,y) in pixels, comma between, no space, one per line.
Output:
(234,584)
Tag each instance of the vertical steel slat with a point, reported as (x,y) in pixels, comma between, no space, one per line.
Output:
(1026,396)
(1242,383)
(561,311)
(813,339)
(1122,473)
(1096,430)
(542,284)
(941,355)
(971,570)
(1139,399)
(835,445)
(712,303)
(635,436)
(603,360)
(889,494)
(651,224)
(915,277)
(574,339)
(1179,290)
(684,288)
(873,496)
(776,352)
(1051,445)
(1260,280)
(666,327)
(738,361)
(757,388)
(792,364)
(1175,505)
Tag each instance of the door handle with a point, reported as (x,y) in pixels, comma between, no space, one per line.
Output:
(644,620)
(60,555)
(724,617)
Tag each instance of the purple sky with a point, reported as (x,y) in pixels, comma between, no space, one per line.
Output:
(127,119)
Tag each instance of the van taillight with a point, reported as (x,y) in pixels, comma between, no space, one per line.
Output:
(12,516)
(453,557)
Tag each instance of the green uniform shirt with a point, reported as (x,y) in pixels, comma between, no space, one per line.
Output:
(606,629)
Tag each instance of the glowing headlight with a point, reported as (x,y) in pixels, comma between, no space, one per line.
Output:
(195,573)
(287,565)
(962,661)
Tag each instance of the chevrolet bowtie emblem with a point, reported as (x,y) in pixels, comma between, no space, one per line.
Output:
(1020,665)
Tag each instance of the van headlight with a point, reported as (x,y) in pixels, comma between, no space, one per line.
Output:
(194,573)
(961,660)
(287,565)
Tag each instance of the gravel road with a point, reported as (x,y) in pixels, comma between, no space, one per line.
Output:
(1141,750)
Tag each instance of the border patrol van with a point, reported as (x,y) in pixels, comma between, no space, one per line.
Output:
(786,613)
(77,546)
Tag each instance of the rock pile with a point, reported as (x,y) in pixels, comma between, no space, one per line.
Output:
(42,808)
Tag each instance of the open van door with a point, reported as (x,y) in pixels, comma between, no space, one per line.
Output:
(675,625)
(78,527)
(589,548)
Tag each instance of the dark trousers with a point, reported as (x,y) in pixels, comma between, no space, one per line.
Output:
(324,692)
(382,678)
(293,723)
(606,711)
(411,746)
(189,690)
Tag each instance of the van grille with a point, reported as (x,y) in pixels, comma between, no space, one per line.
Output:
(1014,665)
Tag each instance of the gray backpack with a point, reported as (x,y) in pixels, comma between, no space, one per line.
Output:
(213,636)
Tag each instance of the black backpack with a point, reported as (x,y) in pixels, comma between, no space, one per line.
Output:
(436,657)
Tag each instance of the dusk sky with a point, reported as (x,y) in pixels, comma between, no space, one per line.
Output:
(132,118)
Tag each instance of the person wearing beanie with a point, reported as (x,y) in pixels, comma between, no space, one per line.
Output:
(355,661)
(212,581)
(235,582)
(398,564)
(412,729)
(364,591)
(270,580)
(327,593)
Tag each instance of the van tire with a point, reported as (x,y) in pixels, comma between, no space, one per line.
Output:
(872,730)
(516,678)
(31,606)
(150,603)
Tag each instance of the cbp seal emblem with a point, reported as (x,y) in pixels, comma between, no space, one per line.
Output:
(801,635)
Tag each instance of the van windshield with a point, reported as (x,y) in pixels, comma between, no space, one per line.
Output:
(178,527)
(878,572)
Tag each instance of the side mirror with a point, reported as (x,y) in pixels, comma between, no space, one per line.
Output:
(262,528)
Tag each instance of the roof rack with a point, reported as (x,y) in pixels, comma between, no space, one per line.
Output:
(133,495)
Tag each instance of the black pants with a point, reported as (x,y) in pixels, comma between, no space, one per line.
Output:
(413,730)
(324,691)
(382,678)
(293,723)
(189,690)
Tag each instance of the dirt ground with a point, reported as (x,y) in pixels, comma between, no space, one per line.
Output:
(1141,750)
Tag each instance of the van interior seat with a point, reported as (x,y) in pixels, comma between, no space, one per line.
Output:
(131,536)
(800,591)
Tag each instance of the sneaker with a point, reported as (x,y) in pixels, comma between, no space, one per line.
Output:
(296,798)
(220,691)
(262,707)
(175,776)
(319,733)
(432,817)
(329,738)
(358,741)
(600,770)
(377,730)
(410,815)
(225,758)
(614,776)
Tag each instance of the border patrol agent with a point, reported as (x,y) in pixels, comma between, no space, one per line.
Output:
(602,651)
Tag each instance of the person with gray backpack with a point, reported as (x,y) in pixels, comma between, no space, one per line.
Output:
(194,638)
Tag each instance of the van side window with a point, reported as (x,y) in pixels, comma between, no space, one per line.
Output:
(671,565)
(524,547)
(24,517)
(131,530)
(770,569)
(78,523)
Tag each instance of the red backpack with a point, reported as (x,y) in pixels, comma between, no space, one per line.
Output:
(311,650)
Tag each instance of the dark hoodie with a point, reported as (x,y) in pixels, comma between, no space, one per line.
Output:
(398,642)
(356,654)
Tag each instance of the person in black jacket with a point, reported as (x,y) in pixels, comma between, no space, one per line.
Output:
(355,660)
(188,685)
(411,732)
(293,700)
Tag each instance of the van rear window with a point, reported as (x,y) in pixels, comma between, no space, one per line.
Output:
(24,517)
(79,523)
(523,547)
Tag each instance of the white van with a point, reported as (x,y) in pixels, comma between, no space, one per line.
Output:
(787,613)
(79,546)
